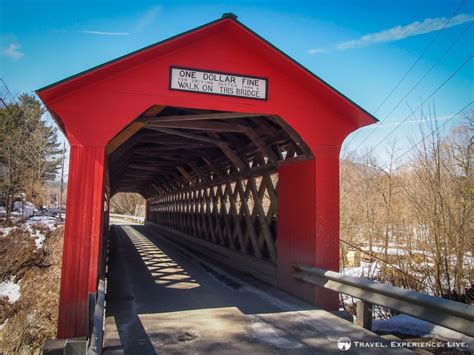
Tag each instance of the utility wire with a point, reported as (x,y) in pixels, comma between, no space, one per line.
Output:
(424,101)
(420,57)
(419,81)
(411,67)
(383,261)
(431,134)
(13,101)
(8,90)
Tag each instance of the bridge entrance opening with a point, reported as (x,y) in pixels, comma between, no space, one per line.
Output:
(209,178)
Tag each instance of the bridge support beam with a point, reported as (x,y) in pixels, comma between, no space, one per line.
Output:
(308,222)
(82,238)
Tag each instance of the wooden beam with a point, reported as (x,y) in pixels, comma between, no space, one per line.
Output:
(258,141)
(154,111)
(206,126)
(187,135)
(233,157)
(197,171)
(221,127)
(123,136)
(294,137)
(186,175)
(172,147)
(206,116)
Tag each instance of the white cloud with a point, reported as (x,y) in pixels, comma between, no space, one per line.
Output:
(412,121)
(399,32)
(148,18)
(12,51)
(144,21)
(104,33)
(317,51)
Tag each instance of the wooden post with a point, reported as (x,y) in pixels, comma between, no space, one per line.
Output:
(364,314)
(82,238)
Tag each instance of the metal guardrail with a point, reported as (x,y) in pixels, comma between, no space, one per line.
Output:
(124,216)
(450,314)
(97,336)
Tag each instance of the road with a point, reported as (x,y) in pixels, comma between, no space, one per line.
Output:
(163,300)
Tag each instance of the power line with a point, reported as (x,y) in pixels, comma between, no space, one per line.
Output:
(382,260)
(13,101)
(420,80)
(432,67)
(424,101)
(421,56)
(411,67)
(8,90)
(431,134)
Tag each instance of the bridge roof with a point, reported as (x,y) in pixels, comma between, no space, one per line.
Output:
(227,25)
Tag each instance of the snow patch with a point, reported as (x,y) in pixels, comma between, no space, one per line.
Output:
(46,221)
(5,230)
(408,325)
(10,289)
(366,270)
(266,333)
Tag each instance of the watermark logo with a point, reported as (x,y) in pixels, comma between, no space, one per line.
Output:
(344,343)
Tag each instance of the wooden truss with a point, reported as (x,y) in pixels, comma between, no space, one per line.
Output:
(210,175)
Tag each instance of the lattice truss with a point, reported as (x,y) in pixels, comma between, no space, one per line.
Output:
(211,175)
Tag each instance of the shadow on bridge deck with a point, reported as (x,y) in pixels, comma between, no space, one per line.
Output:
(160,300)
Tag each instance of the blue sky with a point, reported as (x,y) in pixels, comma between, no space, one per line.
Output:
(362,48)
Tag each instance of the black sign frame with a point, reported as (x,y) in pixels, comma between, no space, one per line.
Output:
(223,73)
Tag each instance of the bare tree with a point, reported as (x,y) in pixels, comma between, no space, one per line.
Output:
(414,219)
(128,203)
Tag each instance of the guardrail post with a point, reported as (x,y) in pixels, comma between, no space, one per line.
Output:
(364,314)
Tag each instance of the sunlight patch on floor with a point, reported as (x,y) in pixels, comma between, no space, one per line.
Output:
(164,270)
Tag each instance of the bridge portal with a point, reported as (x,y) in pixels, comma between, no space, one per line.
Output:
(234,146)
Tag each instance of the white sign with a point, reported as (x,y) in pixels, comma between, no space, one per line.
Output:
(209,82)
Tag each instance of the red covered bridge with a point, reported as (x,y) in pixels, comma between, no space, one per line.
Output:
(234,146)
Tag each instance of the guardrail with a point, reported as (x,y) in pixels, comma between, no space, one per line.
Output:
(130,217)
(97,334)
(453,315)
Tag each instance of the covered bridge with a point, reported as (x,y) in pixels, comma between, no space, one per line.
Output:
(234,146)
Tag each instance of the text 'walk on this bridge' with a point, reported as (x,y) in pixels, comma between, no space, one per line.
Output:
(235,148)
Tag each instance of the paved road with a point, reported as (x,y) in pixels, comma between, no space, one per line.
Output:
(160,300)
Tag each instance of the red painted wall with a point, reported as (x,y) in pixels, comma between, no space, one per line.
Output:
(308,222)
(82,238)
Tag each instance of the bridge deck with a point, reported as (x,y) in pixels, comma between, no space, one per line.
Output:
(161,300)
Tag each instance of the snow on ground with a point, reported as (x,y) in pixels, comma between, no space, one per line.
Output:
(3,324)
(10,289)
(366,270)
(50,222)
(408,325)
(5,230)
(46,221)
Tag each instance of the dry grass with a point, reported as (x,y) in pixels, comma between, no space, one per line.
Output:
(32,319)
